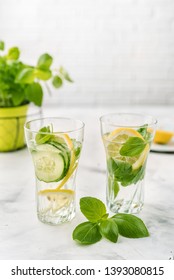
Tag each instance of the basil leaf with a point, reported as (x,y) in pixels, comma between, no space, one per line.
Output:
(109,229)
(42,74)
(44,61)
(130,226)
(57,82)
(87,233)
(145,133)
(92,208)
(18,98)
(2,45)
(119,168)
(34,93)
(13,53)
(113,186)
(42,138)
(134,177)
(25,76)
(143,130)
(65,75)
(122,172)
(132,147)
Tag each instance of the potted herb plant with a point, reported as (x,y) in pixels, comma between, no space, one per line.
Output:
(20,85)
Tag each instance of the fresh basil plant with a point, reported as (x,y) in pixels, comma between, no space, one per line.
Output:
(21,83)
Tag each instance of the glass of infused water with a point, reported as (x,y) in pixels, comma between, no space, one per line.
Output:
(55,145)
(127,139)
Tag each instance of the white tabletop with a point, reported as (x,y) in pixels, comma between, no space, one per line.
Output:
(22,236)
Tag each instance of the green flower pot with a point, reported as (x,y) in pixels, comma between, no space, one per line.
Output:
(12,128)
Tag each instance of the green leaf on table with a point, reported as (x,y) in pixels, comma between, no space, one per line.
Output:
(44,61)
(13,53)
(87,233)
(2,45)
(34,93)
(42,136)
(91,232)
(109,230)
(57,82)
(132,147)
(25,76)
(130,226)
(92,208)
(42,74)
(65,74)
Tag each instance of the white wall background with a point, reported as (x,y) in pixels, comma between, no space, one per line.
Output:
(117,51)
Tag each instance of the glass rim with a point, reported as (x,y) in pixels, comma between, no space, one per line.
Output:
(154,121)
(54,118)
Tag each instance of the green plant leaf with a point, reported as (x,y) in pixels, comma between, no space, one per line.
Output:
(57,82)
(113,186)
(42,74)
(65,75)
(18,98)
(122,172)
(143,130)
(92,208)
(34,93)
(42,138)
(109,230)
(145,133)
(133,147)
(130,226)
(25,76)
(119,169)
(13,53)
(44,61)
(87,233)
(2,45)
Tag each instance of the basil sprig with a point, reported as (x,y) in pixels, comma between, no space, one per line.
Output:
(100,225)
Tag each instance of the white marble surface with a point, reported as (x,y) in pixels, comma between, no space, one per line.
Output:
(22,236)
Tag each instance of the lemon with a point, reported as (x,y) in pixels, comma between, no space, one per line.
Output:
(64,138)
(59,199)
(162,136)
(114,141)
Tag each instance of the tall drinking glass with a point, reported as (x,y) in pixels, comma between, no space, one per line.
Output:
(127,139)
(55,145)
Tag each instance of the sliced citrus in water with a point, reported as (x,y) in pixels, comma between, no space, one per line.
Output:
(64,138)
(114,141)
(59,199)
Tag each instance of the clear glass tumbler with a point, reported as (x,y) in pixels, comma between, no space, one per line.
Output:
(55,145)
(127,139)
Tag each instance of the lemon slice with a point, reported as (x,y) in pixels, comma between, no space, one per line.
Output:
(121,134)
(162,136)
(114,141)
(59,199)
(142,158)
(64,138)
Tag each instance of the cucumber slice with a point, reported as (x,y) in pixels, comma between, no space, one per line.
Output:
(65,152)
(49,163)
